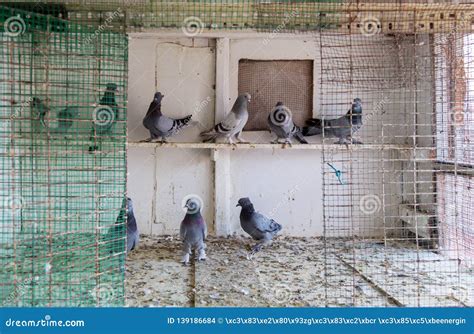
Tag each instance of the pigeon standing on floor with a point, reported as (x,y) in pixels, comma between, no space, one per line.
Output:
(132,230)
(281,124)
(193,231)
(343,127)
(105,115)
(258,226)
(159,125)
(233,124)
(65,117)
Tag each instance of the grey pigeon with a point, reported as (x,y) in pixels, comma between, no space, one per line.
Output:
(65,117)
(281,123)
(159,125)
(258,226)
(193,231)
(105,115)
(117,230)
(343,127)
(233,124)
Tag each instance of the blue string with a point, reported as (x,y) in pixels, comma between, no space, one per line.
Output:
(337,172)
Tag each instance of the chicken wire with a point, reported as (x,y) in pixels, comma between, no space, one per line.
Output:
(63,160)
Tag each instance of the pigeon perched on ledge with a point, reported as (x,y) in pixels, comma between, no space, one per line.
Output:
(343,127)
(233,124)
(159,125)
(258,226)
(281,124)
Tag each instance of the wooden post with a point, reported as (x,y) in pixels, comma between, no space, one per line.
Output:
(221,158)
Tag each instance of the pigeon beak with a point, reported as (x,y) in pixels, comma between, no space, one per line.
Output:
(237,205)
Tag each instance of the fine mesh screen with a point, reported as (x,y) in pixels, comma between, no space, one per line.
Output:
(287,81)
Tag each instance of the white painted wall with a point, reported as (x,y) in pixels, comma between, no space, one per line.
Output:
(284,184)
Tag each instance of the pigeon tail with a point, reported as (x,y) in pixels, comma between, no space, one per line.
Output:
(181,123)
(275,227)
(311,131)
(299,137)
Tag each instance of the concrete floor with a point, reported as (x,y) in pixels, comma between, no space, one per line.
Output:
(295,272)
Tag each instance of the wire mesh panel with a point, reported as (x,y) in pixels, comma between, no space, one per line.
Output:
(397,196)
(63,162)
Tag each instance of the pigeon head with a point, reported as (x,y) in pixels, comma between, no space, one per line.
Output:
(158,97)
(111,86)
(244,202)
(129,204)
(248,97)
(244,98)
(357,102)
(357,106)
(193,205)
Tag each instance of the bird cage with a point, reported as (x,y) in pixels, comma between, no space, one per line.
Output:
(63,157)
(389,220)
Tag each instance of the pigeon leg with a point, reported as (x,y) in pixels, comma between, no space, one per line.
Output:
(186,253)
(231,141)
(288,142)
(201,254)
(163,140)
(239,139)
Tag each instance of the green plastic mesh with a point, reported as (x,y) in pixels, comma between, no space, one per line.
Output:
(63,162)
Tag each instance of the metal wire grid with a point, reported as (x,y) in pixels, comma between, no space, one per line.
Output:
(405,226)
(59,198)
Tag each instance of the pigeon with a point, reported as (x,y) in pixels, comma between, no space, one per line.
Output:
(281,124)
(105,114)
(259,227)
(193,231)
(159,125)
(343,127)
(116,231)
(65,116)
(233,124)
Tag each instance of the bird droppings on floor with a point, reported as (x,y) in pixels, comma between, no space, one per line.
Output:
(291,272)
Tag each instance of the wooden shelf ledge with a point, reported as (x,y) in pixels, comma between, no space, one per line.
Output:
(311,146)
